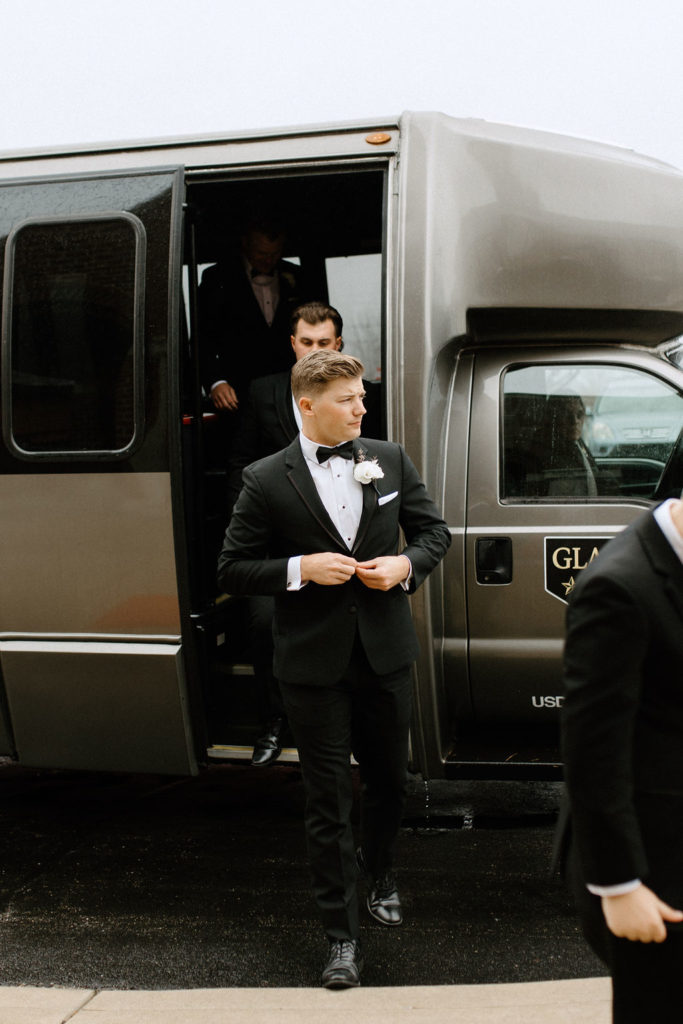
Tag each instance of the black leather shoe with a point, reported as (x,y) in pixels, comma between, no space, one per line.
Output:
(344,965)
(269,746)
(383,900)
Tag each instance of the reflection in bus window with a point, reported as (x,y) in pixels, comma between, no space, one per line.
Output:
(355,289)
(75,336)
(583,432)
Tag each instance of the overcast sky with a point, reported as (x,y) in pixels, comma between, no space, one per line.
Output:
(87,70)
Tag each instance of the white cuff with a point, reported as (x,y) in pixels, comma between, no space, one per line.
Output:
(217,382)
(408,580)
(294,573)
(614,890)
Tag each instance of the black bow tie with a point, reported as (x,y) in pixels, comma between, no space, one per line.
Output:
(344,451)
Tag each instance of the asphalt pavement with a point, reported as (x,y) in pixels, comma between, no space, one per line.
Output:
(119,882)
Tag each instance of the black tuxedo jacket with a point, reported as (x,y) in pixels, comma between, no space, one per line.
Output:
(268,424)
(237,344)
(622,720)
(279,514)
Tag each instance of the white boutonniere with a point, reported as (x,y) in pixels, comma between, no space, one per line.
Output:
(367,470)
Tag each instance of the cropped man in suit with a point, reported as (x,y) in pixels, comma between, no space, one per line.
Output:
(245,304)
(270,422)
(622,740)
(317,526)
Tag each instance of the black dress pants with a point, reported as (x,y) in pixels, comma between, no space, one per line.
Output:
(267,689)
(369,715)
(647,977)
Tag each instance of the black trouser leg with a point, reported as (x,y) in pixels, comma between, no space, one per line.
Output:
(370,713)
(320,720)
(260,624)
(647,978)
(380,745)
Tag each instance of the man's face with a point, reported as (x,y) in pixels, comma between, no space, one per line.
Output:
(311,337)
(335,415)
(263,253)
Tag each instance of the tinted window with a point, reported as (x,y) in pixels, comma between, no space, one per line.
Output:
(73,356)
(582,432)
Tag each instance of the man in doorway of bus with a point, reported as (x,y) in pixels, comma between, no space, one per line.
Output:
(622,743)
(270,422)
(317,526)
(245,302)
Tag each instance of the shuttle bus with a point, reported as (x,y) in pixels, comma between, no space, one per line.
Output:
(486,275)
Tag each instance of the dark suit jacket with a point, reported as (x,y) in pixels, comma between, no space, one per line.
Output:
(268,424)
(279,514)
(237,344)
(622,721)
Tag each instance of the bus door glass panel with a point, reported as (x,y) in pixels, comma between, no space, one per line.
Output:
(582,450)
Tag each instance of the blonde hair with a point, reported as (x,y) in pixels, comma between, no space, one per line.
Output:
(312,374)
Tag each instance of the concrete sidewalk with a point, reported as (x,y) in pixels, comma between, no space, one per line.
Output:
(543,1002)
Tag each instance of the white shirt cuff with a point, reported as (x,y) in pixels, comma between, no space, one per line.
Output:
(408,580)
(294,573)
(217,382)
(614,890)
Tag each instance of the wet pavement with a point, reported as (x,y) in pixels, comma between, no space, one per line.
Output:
(139,882)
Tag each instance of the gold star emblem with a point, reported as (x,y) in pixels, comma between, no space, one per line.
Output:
(568,586)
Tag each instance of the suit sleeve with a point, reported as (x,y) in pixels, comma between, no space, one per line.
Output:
(222,354)
(427,535)
(243,565)
(607,639)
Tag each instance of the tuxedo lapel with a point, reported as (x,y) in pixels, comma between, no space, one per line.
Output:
(302,482)
(360,453)
(665,561)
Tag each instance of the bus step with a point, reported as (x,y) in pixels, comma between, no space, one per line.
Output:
(233,752)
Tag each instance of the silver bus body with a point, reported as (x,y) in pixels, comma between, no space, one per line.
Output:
(510,263)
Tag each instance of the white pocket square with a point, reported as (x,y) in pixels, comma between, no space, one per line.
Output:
(387,497)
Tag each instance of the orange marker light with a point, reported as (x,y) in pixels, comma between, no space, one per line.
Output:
(378,138)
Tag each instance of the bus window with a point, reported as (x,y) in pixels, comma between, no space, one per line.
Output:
(355,288)
(72,381)
(582,432)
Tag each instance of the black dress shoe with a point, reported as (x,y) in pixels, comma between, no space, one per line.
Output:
(344,965)
(383,900)
(269,746)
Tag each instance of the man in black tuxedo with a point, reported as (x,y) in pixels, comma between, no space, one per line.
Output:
(245,304)
(622,741)
(317,526)
(270,422)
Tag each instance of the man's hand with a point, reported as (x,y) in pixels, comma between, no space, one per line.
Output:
(327,568)
(638,915)
(223,396)
(384,572)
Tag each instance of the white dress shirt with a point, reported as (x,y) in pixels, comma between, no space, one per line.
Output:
(340,493)
(266,289)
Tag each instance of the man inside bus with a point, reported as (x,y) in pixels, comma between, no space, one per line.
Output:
(270,422)
(245,303)
(318,527)
(558,462)
(622,744)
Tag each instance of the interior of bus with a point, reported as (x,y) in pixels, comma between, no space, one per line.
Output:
(334,228)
